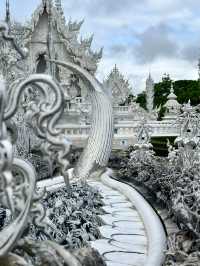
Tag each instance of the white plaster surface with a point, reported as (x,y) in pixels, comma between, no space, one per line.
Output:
(124,238)
(149,233)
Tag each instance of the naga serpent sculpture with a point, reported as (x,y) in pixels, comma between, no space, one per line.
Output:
(96,154)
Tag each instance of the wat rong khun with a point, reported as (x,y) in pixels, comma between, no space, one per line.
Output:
(82,182)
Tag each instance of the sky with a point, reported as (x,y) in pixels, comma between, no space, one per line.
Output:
(140,36)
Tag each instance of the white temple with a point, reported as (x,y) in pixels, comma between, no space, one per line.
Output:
(49,37)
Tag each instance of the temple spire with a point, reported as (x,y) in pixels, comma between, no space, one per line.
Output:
(7,12)
(150,93)
(115,69)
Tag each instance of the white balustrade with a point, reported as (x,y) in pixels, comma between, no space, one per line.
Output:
(122,132)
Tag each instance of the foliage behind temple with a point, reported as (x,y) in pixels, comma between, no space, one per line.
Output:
(184,89)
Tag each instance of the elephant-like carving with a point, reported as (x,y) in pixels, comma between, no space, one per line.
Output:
(99,145)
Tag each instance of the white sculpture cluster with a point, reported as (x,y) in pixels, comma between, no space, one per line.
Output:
(172,106)
(174,182)
(42,113)
(143,147)
(139,165)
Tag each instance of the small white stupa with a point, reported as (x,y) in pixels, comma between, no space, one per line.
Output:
(172,106)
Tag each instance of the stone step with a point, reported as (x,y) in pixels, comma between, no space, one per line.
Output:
(124,241)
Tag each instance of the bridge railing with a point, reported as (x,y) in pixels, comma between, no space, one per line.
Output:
(129,130)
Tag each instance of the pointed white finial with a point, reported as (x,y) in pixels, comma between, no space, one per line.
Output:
(172,88)
(150,78)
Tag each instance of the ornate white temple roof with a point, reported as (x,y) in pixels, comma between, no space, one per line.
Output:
(78,49)
(119,87)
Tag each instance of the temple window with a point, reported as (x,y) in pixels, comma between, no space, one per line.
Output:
(41,64)
(124,142)
(116,130)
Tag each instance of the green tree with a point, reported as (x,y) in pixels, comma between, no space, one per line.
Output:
(184,89)
(141,99)
(187,90)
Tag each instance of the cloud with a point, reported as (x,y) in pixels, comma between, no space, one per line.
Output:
(137,35)
(118,49)
(155,42)
(103,7)
(191,53)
